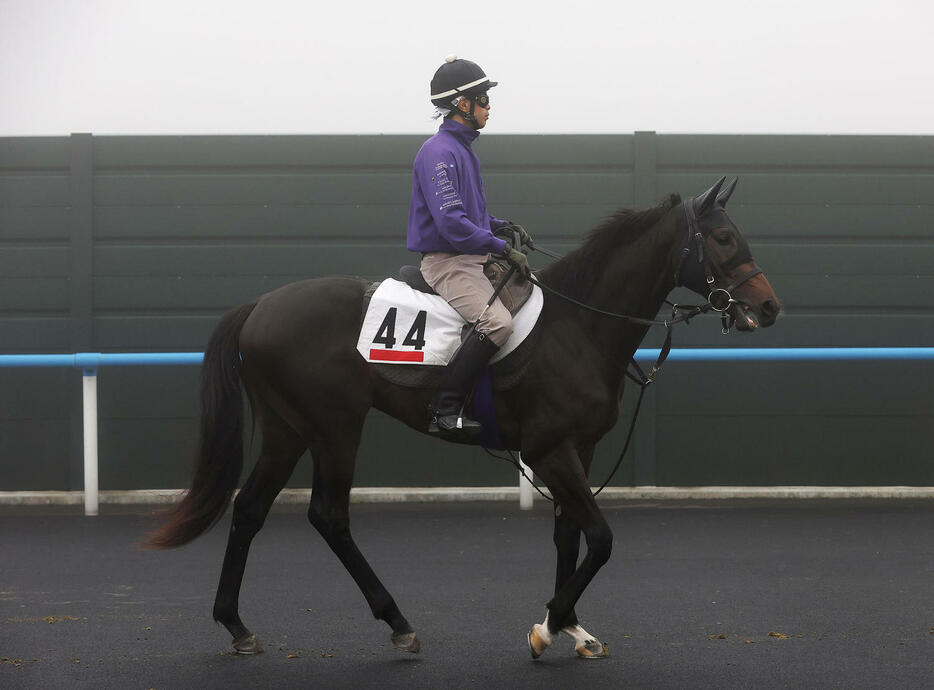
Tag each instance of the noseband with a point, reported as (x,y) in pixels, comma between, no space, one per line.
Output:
(719,299)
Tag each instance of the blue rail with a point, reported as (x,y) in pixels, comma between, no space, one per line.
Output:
(91,361)
(799,354)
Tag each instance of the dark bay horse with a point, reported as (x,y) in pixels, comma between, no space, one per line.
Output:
(294,352)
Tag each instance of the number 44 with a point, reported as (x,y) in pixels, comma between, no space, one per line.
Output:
(386,335)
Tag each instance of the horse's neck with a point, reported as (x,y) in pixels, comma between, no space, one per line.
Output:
(638,278)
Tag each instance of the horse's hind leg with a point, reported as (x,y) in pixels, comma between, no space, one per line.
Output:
(329,512)
(281,449)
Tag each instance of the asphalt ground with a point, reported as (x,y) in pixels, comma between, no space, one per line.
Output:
(729,595)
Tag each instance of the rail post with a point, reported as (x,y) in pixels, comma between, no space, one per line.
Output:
(89,403)
(88,363)
(526,496)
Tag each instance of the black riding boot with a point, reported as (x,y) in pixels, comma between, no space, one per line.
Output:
(457,381)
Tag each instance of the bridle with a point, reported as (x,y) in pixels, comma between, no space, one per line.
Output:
(719,299)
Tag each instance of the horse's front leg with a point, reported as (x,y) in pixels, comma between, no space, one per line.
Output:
(567,537)
(565,473)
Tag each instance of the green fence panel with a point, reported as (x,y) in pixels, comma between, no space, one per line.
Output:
(141,243)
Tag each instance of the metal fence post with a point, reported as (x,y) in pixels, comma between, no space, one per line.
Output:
(645,193)
(81,217)
(81,192)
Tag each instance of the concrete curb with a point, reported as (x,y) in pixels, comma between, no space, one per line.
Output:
(499,493)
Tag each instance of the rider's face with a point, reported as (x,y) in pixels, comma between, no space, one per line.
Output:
(481,113)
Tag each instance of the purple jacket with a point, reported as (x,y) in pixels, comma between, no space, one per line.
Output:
(448,210)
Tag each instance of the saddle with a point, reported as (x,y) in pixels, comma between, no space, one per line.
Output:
(405,305)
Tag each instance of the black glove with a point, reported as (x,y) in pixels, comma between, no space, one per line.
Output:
(510,228)
(519,260)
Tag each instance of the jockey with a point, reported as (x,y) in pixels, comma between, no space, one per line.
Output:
(450,225)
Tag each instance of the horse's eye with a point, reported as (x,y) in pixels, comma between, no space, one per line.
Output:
(723,237)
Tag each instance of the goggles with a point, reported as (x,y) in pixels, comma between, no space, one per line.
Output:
(483,100)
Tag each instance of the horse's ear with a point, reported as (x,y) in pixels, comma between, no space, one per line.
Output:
(726,192)
(705,201)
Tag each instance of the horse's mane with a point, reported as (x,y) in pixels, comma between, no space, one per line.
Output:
(577,273)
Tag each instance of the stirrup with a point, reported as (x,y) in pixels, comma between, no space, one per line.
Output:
(471,429)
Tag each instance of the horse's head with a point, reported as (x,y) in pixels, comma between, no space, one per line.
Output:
(717,264)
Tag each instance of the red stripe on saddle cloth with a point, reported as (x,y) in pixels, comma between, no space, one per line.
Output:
(397,356)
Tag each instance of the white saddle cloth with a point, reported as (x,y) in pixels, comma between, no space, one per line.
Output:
(405,326)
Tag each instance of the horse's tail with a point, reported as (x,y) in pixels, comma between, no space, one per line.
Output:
(220,453)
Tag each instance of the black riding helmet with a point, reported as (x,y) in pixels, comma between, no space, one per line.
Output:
(458,77)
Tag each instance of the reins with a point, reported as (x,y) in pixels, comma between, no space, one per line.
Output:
(718,299)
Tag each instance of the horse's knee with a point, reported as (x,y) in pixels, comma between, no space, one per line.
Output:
(315,516)
(600,546)
(565,532)
(328,522)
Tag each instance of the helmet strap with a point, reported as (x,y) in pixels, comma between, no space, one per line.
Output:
(469,114)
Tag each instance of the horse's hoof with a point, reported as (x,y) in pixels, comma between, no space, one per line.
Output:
(248,645)
(407,642)
(538,640)
(592,649)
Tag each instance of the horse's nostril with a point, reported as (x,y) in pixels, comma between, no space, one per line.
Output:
(771,308)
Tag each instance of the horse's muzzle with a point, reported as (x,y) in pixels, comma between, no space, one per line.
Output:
(762,315)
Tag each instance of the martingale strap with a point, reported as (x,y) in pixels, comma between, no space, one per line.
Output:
(642,379)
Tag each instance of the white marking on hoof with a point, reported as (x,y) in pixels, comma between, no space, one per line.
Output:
(586,645)
(407,642)
(539,638)
(248,645)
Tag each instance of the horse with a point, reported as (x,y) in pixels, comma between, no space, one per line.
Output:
(293,352)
